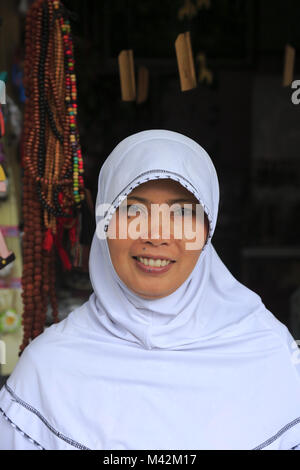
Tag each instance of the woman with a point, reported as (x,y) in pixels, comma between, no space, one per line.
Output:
(169,354)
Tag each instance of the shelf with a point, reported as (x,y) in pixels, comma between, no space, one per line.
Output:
(271,252)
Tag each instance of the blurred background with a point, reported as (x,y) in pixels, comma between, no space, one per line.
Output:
(240,112)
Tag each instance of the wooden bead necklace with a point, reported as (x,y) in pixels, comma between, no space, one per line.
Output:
(53,184)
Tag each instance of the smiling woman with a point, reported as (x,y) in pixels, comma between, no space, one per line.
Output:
(170,351)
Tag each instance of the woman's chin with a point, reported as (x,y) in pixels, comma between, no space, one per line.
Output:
(152,294)
(151,297)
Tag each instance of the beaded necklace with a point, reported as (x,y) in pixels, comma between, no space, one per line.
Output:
(53,185)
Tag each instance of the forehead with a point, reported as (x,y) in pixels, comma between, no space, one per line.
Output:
(167,187)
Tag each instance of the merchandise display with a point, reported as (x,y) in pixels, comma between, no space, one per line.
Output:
(53,165)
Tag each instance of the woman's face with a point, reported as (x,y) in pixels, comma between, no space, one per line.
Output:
(144,279)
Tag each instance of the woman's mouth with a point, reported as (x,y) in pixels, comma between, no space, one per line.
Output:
(153,266)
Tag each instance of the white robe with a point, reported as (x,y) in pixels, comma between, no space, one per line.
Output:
(207,367)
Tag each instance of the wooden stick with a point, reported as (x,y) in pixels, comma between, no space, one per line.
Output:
(289,63)
(127,77)
(185,61)
(143,85)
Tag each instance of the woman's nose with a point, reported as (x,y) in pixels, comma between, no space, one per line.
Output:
(159,229)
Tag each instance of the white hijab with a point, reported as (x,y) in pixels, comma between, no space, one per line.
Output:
(207,367)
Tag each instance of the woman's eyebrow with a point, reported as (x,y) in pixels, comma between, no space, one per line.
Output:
(170,201)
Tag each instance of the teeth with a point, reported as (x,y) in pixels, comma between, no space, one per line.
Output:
(154,262)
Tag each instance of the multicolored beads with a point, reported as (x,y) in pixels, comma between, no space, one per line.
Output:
(71,103)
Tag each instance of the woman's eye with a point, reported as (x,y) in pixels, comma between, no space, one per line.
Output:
(184,211)
(135,209)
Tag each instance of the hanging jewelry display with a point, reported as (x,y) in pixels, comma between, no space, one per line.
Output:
(53,185)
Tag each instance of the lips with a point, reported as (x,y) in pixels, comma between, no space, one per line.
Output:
(153,270)
(154,257)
